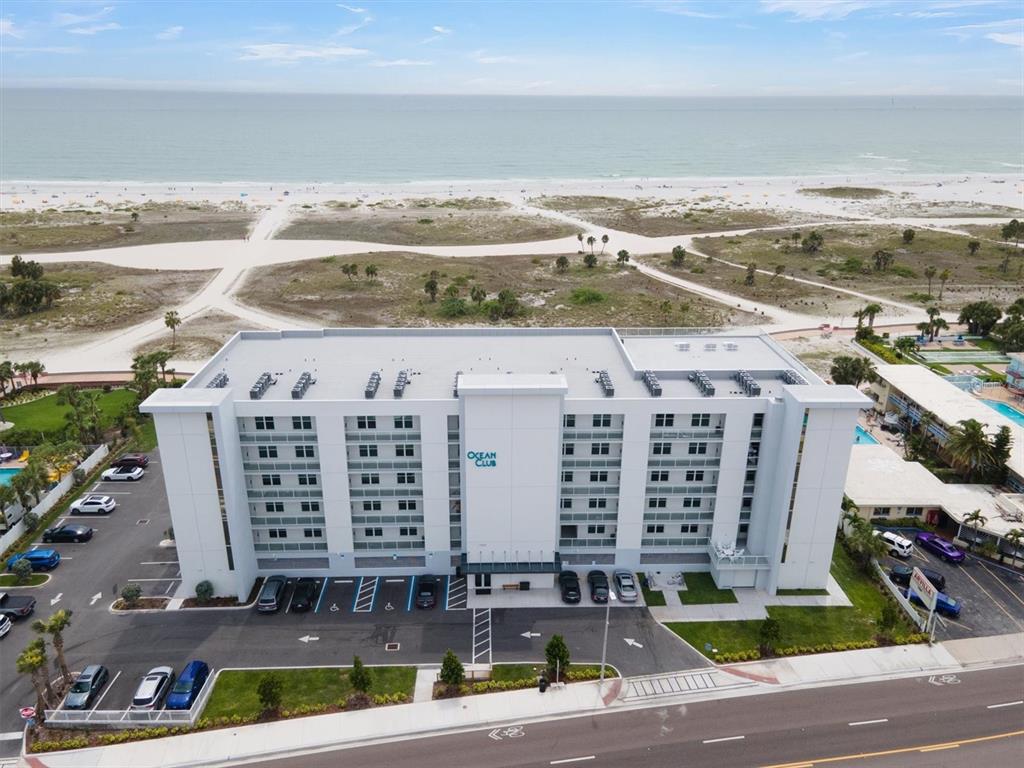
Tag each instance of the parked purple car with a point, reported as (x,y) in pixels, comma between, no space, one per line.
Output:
(939,546)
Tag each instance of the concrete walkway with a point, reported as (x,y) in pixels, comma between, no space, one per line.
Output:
(425,679)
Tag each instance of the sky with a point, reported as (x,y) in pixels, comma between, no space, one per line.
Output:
(628,48)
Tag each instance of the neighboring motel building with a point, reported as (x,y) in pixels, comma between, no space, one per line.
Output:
(504,455)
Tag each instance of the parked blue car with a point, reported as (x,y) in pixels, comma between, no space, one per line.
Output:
(40,559)
(190,682)
(944,604)
(939,546)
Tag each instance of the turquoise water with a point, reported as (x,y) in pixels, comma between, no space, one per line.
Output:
(7,474)
(1009,412)
(863,437)
(95,135)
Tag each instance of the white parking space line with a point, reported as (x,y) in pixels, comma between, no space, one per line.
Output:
(1003,584)
(991,597)
(394,581)
(159,562)
(457,595)
(1005,704)
(869,722)
(106,690)
(724,738)
(571,760)
(173,578)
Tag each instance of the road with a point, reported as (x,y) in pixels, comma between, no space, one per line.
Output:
(908,722)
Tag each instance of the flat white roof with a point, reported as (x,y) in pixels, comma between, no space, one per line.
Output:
(879,477)
(342,360)
(950,404)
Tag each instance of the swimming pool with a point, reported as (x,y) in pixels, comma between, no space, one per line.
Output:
(1006,410)
(863,437)
(7,474)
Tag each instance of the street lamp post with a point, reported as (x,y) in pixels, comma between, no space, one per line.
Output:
(607,621)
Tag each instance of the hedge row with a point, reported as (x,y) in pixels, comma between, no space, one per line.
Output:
(802,650)
(107,739)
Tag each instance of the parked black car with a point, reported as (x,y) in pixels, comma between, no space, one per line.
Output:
(900,574)
(303,595)
(569,583)
(426,591)
(598,581)
(67,532)
(270,595)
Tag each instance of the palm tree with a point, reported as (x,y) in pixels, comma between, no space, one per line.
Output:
(859,314)
(33,662)
(929,273)
(54,627)
(579,236)
(905,344)
(977,521)
(35,370)
(968,447)
(622,257)
(604,242)
(780,269)
(562,263)
(172,320)
(430,288)
(478,294)
(938,324)
(590,261)
(933,314)
(852,370)
(870,311)
(371,271)
(1014,537)
(924,328)
(973,246)
(8,498)
(590,241)
(944,276)
(161,357)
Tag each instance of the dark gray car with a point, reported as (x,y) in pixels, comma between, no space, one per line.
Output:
(87,687)
(270,595)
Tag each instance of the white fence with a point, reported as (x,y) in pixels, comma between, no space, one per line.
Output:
(54,495)
(912,613)
(130,718)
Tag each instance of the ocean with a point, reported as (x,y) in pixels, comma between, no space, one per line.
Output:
(93,135)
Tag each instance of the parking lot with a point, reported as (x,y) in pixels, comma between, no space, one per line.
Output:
(992,597)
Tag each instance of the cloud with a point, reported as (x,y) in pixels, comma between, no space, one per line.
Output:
(481,57)
(1004,32)
(1007,38)
(442,30)
(291,53)
(59,49)
(401,63)
(7,29)
(852,56)
(95,29)
(71,19)
(171,33)
(815,10)
(348,30)
(350,9)
(679,8)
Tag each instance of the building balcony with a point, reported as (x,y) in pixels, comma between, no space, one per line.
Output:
(383,436)
(361,464)
(262,437)
(667,462)
(511,566)
(681,490)
(586,543)
(280,465)
(732,557)
(589,490)
(583,462)
(694,433)
(376,492)
(592,434)
(284,493)
(691,542)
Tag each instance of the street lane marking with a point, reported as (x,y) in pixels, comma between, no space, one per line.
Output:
(344,581)
(173,578)
(11,736)
(160,562)
(898,751)
(106,690)
(991,597)
(1001,583)
(1005,704)
(572,760)
(870,722)
(724,738)
(320,599)
(394,581)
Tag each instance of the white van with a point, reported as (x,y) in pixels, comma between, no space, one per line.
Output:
(898,546)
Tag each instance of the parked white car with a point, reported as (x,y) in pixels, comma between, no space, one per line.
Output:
(898,546)
(153,688)
(93,504)
(123,473)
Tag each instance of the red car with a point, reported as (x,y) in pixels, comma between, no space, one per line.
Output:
(132,460)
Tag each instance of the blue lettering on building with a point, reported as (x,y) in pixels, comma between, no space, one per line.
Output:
(483,458)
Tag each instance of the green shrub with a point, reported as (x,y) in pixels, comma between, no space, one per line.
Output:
(204,591)
(587,296)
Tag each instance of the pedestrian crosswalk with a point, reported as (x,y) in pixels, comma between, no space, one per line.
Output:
(675,683)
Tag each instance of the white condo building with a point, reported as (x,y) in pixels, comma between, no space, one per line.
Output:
(504,455)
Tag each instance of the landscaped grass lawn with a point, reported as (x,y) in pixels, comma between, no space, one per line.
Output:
(701,590)
(800,626)
(800,592)
(235,693)
(45,415)
(651,596)
(10,580)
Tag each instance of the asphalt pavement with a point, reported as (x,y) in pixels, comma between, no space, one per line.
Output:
(907,722)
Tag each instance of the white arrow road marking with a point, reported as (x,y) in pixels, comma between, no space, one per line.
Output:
(308,639)
(95,598)
(494,734)
(55,600)
(632,642)
(528,635)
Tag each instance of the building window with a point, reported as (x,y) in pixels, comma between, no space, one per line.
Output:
(597,503)
(371,532)
(914,511)
(700,420)
(595,529)
(659,476)
(662,449)
(695,475)
(403,422)
(600,449)
(406,505)
(568,449)
(366,451)
(882,511)
(313,533)
(691,502)
(271,479)
(688,528)
(751,476)
(371,506)
(311,506)
(274,506)
(370,478)
(657,503)
(405,450)
(758,420)
(366,422)
(568,532)
(697,449)
(267,451)
(278,533)
(264,422)
(566,503)
(406,478)
(664,419)
(302,422)
(567,477)
(408,531)
(748,502)
(655,528)
(599,477)
(602,420)
(569,420)
(307,479)
(303,451)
